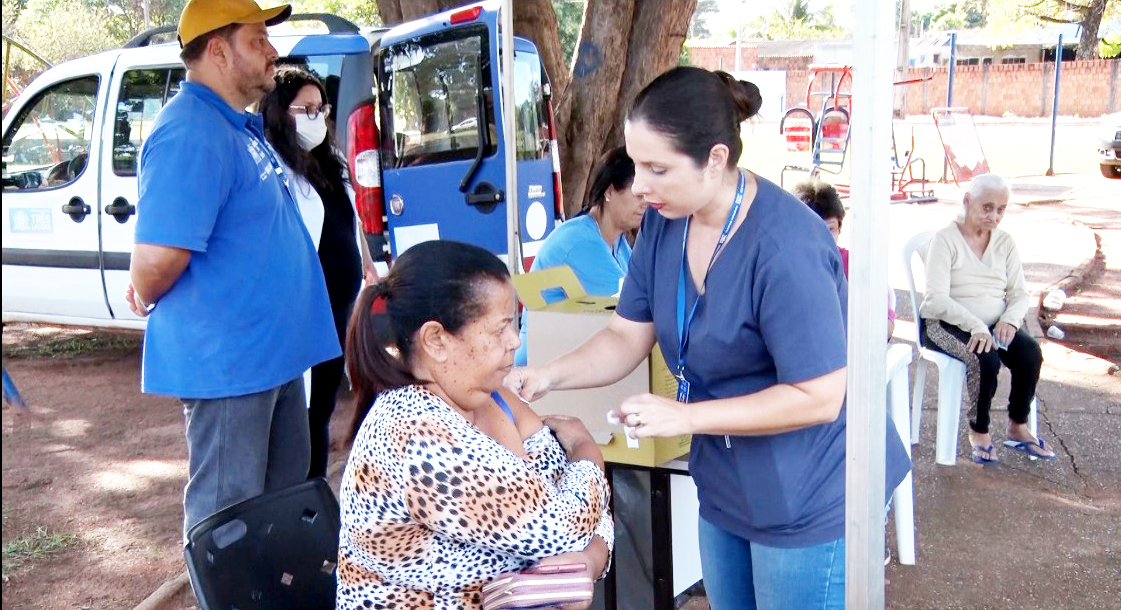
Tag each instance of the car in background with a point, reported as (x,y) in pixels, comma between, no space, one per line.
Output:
(1109,146)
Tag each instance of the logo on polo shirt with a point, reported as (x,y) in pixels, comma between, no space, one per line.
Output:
(264,165)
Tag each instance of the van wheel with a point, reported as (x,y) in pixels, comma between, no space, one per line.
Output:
(1111,171)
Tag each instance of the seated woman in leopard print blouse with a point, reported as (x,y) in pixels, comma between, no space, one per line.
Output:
(451,481)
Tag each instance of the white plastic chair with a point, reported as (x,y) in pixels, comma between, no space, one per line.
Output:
(899,358)
(951,373)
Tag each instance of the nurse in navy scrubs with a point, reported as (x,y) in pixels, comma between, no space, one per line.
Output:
(742,287)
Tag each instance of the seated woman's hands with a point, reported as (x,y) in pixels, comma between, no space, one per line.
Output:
(980,342)
(571,433)
(1004,332)
(594,557)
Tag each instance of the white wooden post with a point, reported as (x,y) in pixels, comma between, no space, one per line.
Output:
(873,71)
(506,59)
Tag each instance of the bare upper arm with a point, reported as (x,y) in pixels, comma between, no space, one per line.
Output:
(160,259)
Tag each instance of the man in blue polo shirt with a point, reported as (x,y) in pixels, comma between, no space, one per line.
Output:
(222,263)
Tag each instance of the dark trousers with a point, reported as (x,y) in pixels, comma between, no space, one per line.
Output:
(1023,358)
(325,380)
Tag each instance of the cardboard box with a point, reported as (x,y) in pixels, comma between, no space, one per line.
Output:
(556,329)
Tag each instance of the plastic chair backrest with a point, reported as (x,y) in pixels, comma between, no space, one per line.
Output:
(275,551)
(919,243)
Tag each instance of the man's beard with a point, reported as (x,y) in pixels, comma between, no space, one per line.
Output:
(252,84)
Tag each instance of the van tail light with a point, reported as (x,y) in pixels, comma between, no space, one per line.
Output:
(470,14)
(558,192)
(365,175)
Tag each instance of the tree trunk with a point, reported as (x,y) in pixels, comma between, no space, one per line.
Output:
(656,38)
(536,21)
(588,109)
(623,45)
(1091,22)
(393,12)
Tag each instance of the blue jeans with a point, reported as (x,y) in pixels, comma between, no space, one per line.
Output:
(742,575)
(243,446)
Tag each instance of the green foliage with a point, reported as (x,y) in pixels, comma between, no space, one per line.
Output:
(795,21)
(1110,48)
(32,547)
(1007,16)
(361,12)
(956,15)
(59,30)
(699,26)
(570,16)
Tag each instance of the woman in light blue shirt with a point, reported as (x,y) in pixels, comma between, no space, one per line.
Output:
(594,243)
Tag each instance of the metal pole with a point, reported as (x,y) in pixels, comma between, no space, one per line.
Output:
(903,59)
(513,223)
(873,37)
(1055,103)
(147,16)
(739,33)
(950,93)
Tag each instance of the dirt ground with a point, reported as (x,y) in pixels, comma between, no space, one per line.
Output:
(93,478)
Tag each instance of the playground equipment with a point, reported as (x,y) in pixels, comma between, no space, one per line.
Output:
(959,138)
(825,132)
(825,135)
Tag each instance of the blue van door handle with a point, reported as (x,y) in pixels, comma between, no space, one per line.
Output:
(120,209)
(76,208)
(485,197)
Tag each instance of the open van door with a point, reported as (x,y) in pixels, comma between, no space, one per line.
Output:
(442,150)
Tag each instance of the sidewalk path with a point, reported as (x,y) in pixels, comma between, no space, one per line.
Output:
(1023,534)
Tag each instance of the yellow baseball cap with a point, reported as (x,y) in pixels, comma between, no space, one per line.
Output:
(202,16)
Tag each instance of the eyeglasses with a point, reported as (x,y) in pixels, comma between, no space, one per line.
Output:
(312,112)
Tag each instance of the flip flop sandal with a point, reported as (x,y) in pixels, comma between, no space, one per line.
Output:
(980,453)
(1034,450)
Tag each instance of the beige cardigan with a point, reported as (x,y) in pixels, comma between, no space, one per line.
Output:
(970,293)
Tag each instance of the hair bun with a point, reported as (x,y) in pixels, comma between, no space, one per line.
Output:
(745,95)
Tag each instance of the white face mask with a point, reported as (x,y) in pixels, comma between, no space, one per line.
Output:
(309,132)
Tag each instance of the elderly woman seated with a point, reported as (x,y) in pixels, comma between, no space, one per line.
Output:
(974,309)
(451,480)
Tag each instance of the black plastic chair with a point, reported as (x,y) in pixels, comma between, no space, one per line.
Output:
(275,551)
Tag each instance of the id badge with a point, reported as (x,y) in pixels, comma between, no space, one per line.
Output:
(682,389)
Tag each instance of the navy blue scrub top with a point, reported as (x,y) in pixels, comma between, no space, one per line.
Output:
(775,312)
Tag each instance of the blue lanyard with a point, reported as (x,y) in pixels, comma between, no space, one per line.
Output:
(683,321)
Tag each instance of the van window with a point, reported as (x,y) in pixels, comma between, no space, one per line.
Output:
(531,126)
(143,94)
(47,144)
(430,88)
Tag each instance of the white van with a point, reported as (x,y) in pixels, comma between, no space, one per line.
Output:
(71,143)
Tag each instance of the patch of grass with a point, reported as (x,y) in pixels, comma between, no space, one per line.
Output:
(73,346)
(32,547)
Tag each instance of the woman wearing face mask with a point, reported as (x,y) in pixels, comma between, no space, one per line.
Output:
(295,115)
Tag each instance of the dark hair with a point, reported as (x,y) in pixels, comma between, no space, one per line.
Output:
(697,109)
(321,166)
(616,170)
(433,280)
(822,199)
(195,49)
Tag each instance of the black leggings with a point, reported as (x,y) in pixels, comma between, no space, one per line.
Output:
(1023,358)
(326,377)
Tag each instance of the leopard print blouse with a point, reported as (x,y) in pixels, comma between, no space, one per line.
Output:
(432,508)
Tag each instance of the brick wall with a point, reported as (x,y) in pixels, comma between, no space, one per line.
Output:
(724,58)
(784,63)
(1087,88)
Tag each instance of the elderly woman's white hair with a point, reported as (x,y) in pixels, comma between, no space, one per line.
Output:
(982,185)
